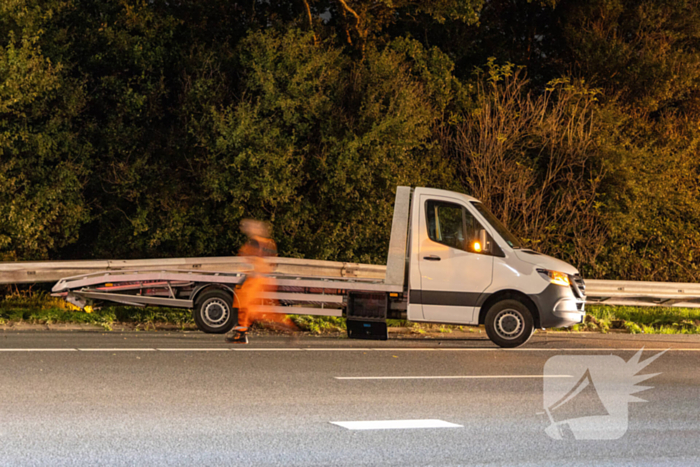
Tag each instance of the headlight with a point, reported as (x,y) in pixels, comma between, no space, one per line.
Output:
(556,277)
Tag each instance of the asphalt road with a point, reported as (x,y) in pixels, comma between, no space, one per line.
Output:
(187,399)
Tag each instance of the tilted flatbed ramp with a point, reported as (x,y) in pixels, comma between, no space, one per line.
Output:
(111,286)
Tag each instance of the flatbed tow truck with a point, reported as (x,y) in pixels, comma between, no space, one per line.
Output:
(450,261)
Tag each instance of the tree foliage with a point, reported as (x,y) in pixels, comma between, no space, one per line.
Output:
(150,128)
(531,158)
(42,204)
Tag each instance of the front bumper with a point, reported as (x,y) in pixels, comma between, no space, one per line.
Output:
(559,307)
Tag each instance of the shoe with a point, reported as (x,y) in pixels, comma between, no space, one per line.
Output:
(237,337)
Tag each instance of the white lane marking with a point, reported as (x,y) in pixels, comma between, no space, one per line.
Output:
(606,349)
(118,350)
(195,349)
(267,350)
(430,349)
(455,377)
(296,349)
(336,349)
(396,424)
(399,349)
(575,349)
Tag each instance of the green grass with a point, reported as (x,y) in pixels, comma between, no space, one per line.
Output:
(40,308)
(318,324)
(641,320)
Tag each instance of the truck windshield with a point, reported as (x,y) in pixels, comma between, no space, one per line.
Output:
(496,224)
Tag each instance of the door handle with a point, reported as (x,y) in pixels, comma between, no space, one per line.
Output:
(432,258)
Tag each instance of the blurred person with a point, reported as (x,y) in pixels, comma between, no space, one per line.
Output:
(249,299)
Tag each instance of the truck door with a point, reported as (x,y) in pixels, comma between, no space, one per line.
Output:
(454,269)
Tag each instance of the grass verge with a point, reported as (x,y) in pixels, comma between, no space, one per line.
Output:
(40,308)
(641,320)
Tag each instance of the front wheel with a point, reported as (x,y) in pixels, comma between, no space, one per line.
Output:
(214,312)
(509,323)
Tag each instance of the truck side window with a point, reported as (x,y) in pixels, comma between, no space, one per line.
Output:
(452,225)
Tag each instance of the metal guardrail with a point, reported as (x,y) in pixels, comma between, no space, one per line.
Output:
(52,271)
(640,293)
(606,292)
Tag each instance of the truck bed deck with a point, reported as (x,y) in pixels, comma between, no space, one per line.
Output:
(174,288)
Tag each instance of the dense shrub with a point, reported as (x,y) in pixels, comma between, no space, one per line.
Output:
(144,129)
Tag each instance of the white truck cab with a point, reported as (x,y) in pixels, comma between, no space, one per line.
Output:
(467,268)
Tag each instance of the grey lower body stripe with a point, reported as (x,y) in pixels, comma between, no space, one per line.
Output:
(434,297)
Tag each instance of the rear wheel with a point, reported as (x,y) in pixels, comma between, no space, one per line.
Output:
(509,323)
(214,312)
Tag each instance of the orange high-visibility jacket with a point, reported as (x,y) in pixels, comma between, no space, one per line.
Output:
(248,297)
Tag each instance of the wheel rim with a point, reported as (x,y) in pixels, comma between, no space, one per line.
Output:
(215,312)
(509,324)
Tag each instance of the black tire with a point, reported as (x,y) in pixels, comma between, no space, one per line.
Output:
(509,323)
(214,312)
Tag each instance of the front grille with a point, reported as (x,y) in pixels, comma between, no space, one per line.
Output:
(578,286)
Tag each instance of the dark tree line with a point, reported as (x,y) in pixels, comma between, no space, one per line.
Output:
(150,128)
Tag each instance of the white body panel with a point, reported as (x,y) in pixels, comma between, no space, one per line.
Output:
(449,274)
(463,272)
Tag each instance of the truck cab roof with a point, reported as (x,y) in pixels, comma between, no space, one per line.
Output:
(450,194)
